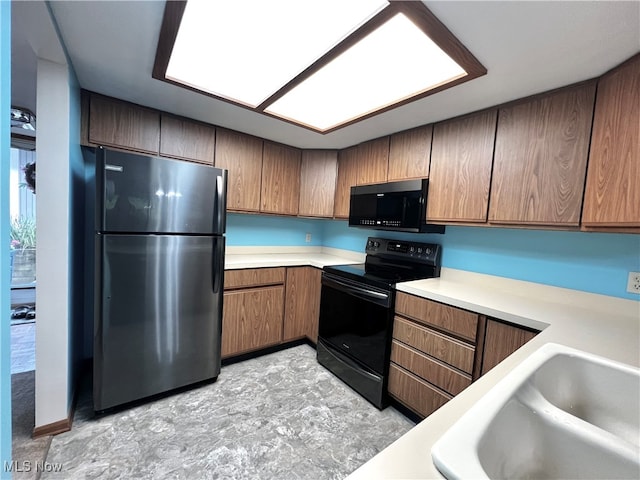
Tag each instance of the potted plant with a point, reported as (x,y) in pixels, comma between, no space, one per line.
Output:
(23,250)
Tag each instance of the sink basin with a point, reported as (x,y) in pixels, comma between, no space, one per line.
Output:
(561,413)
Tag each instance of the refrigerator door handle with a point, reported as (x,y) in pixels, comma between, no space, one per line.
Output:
(221,203)
(217,269)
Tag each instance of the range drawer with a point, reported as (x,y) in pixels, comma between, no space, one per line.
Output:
(438,373)
(253,277)
(417,394)
(450,319)
(434,344)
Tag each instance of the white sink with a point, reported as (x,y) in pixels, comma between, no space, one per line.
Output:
(561,413)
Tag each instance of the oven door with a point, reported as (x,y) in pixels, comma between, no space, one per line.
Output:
(356,320)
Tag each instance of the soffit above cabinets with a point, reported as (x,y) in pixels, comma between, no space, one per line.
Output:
(526,47)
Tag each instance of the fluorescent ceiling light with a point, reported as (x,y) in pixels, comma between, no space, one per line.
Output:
(393,63)
(319,64)
(247,50)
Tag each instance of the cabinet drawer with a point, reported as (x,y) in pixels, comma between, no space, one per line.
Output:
(415,393)
(253,277)
(452,319)
(441,375)
(435,344)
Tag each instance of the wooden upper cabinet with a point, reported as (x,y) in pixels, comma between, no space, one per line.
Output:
(541,157)
(125,125)
(373,161)
(612,195)
(409,154)
(280,179)
(347,177)
(318,172)
(461,160)
(187,140)
(241,155)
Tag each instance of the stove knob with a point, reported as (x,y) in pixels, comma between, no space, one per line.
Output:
(419,250)
(376,244)
(412,249)
(427,251)
(369,244)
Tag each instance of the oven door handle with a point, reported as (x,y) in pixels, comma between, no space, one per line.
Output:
(351,364)
(357,291)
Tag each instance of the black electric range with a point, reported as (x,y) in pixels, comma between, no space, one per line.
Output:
(356,311)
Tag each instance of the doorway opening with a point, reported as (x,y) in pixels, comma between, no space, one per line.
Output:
(22,207)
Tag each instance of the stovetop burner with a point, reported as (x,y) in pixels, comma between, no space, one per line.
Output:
(390,261)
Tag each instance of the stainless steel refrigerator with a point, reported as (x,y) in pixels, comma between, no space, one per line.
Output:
(159,269)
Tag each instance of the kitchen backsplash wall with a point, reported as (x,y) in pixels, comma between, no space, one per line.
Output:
(264,230)
(591,262)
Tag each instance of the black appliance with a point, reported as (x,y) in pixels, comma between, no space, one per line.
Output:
(158,251)
(356,312)
(399,206)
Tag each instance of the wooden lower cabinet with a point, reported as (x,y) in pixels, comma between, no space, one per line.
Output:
(259,311)
(500,341)
(420,396)
(302,303)
(433,352)
(252,319)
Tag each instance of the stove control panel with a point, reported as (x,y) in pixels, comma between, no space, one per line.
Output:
(415,251)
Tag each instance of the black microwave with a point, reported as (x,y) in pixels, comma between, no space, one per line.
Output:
(399,206)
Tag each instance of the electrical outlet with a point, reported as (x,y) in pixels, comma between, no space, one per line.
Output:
(633,284)
(307,239)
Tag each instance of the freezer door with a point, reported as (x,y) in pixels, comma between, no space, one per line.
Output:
(158,322)
(144,194)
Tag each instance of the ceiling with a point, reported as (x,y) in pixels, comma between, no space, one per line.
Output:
(527,48)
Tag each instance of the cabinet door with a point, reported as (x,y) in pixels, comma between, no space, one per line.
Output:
(541,157)
(302,303)
(241,155)
(120,124)
(280,179)
(347,177)
(500,341)
(319,169)
(181,138)
(373,161)
(461,160)
(612,196)
(251,319)
(409,154)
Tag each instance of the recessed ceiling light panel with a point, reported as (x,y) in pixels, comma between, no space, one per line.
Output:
(247,50)
(394,62)
(321,65)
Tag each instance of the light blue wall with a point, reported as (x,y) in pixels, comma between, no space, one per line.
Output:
(250,230)
(5,287)
(592,262)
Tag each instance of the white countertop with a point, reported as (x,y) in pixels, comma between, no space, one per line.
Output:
(598,324)
(261,257)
